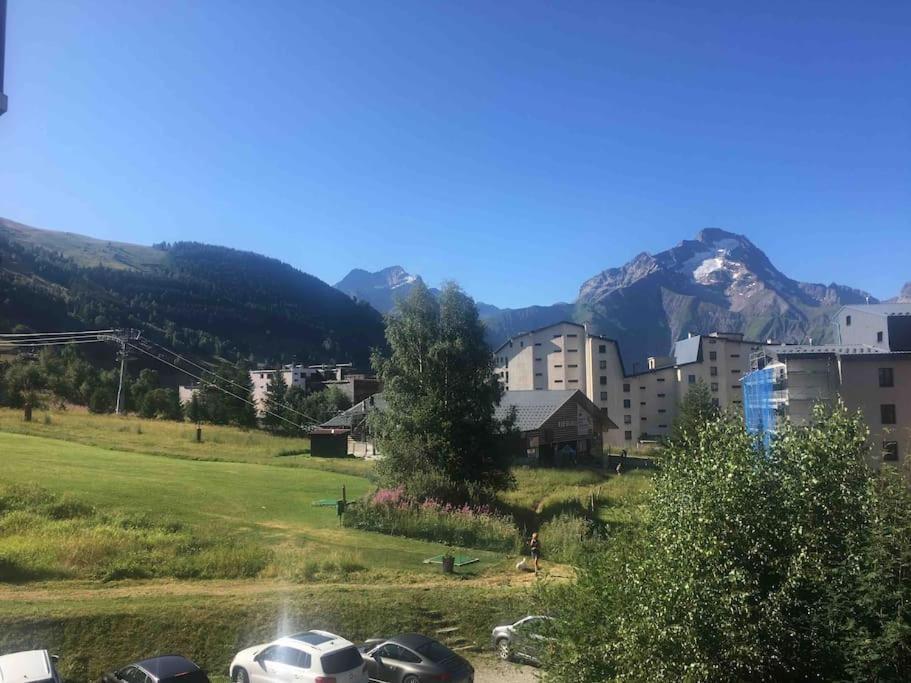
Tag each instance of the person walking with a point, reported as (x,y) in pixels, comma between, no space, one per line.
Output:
(535,546)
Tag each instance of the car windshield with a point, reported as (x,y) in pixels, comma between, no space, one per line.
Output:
(342,660)
(197,676)
(436,652)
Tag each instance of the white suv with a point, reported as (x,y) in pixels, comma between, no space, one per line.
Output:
(309,657)
(33,666)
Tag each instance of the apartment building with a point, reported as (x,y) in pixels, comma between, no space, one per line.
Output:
(643,404)
(869,369)
(295,376)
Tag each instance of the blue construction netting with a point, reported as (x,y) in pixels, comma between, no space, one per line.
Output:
(759,409)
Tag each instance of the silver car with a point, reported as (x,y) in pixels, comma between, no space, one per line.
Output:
(413,658)
(524,640)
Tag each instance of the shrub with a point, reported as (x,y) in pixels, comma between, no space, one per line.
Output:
(388,511)
(566,538)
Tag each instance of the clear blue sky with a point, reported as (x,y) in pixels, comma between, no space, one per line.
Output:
(517,147)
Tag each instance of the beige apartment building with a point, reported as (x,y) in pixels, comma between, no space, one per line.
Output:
(643,404)
(295,376)
(869,369)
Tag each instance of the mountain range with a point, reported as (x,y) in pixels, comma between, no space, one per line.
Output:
(718,281)
(232,304)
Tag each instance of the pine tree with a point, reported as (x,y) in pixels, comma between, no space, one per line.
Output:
(276,395)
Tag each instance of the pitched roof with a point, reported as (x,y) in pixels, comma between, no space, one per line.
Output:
(356,413)
(538,329)
(534,408)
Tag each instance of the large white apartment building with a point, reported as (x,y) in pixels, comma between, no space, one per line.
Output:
(295,376)
(643,404)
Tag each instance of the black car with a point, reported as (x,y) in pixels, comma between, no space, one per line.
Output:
(164,669)
(413,658)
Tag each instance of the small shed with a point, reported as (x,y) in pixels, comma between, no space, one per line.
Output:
(329,443)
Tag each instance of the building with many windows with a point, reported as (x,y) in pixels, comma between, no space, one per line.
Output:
(869,369)
(643,404)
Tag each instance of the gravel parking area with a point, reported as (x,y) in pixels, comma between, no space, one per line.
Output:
(492,670)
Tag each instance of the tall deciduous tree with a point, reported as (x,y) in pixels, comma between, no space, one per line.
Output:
(695,410)
(439,435)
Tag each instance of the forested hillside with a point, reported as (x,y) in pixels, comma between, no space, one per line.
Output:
(191,297)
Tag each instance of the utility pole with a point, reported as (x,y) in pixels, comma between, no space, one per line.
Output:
(121,337)
(3,99)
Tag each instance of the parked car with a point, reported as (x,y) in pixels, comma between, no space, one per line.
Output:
(31,666)
(525,639)
(162,669)
(413,658)
(308,657)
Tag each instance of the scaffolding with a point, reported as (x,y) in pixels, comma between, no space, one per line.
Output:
(764,399)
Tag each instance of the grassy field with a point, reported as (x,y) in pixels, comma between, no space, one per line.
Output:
(175,439)
(122,537)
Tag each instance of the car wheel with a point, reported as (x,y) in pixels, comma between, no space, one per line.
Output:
(504,652)
(411,679)
(240,676)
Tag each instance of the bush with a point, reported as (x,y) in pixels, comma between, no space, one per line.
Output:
(389,511)
(567,538)
(786,564)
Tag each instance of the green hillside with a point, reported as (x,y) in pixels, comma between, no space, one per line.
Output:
(189,296)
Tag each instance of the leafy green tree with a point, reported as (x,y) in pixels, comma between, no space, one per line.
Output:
(276,394)
(161,403)
(438,433)
(694,411)
(786,564)
(318,406)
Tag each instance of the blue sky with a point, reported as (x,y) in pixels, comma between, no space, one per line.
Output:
(516,147)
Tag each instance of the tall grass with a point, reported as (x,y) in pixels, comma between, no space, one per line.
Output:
(49,536)
(464,527)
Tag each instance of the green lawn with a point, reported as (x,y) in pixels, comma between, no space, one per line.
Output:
(268,505)
(174,439)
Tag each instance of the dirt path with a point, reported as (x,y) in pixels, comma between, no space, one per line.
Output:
(490,670)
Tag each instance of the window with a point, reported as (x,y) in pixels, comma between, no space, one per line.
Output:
(602,380)
(847,321)
(713,355)
(886,377)
(735,355)
(539,359)
(641,403)
(603,395)
(341,660)
(641,388)
(397,652)
(602,348)
(572,381)
(735,386)
(691,379)
(713,371)
(890,451)
(572,350)
(662,426)
(132,675)
(557,336)
(735,402)
(507,376)
(887,413)
(879,336)
(602,365)
(537,343)
(539,374)
(626,387)
(558,365)
(661,379)
(285,655)
(627,436)
(558,381)
(572,335)
(626,403)
(716,402)
(642,419)
(735,371)
(661,395)
(604,412)
(627,419)
(521,344)
(661,410)
(714,386)
(573,365)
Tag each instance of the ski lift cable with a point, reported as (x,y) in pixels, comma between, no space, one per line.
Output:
(56,334)
(222,389)
(223,379)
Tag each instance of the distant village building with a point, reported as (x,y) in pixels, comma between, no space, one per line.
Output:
(869,368)
(565,356)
